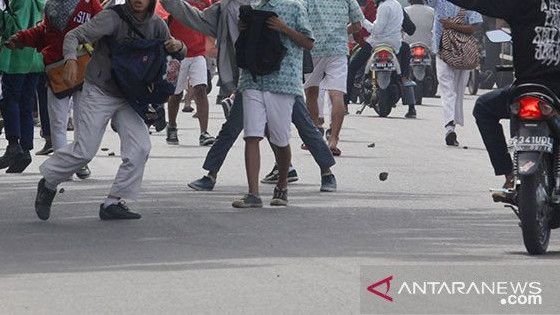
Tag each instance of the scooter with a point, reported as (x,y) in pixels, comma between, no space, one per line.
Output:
(535,131)
(423,72)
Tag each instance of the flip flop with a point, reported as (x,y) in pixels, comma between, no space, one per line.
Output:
(336,151)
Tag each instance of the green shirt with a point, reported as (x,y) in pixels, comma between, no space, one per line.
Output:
(24,14)
(329,19)
(288,80)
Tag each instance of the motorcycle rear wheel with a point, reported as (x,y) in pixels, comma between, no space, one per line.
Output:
(535,209)
(385,105)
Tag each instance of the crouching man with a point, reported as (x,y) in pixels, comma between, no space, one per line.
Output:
(100,101)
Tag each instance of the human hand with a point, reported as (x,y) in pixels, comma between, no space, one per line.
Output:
(13,42)
(445,23)
(172,45)
(276,24)
(70,74)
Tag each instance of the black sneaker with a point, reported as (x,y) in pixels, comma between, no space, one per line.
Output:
(206,140)
(451,139)
(248,201)
(328,183)
(117,211)
(226,103)
(172,137)
(70,126)
(272,177)
(411,114)
(280,197)
(20,162)
(12,151)
(47,149)
(206,183)
(44,200)
(83,172)
(187,108)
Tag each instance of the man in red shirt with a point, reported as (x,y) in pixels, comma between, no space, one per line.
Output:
(193,72)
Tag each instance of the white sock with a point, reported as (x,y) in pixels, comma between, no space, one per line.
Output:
(110,201)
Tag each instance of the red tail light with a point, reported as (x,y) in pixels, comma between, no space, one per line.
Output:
(383,55)
(418,52)
(530,108)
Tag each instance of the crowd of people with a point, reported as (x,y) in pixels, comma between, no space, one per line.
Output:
(57,54)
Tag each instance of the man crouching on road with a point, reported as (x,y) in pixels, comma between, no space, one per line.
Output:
(101,100)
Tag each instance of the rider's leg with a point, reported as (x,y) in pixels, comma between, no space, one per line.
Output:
(488,111)
(356,63)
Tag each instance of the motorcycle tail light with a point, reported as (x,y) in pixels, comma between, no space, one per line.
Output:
(530,108)
(418,52)
(383,55)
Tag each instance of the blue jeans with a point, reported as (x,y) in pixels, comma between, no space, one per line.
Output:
(234,125)
(17,107)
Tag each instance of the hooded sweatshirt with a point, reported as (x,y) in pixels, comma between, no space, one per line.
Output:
(107,26)
(535,27)
(61,16)
(23,14)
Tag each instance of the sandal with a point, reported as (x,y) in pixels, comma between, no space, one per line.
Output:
(336,151)
(304,147)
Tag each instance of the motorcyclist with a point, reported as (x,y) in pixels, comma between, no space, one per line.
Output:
(386,29)
(534,25)
(423,17)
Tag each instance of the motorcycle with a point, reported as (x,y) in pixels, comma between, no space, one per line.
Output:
(382,86)
(535,131)
(423,72)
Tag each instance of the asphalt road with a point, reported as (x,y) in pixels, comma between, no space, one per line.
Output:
(193,253)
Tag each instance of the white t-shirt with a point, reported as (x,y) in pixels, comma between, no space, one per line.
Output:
(423,17)
(387,26)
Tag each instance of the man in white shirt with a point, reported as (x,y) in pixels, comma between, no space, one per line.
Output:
(423,17)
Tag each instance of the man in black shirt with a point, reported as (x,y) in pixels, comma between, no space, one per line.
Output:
(535,26)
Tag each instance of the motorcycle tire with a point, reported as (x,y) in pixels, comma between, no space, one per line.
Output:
(474,81)
(385,104)
(534,210)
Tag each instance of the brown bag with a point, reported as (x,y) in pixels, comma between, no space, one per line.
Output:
(55,73)
(459,50)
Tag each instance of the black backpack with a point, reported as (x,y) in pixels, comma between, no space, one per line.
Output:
(258,48)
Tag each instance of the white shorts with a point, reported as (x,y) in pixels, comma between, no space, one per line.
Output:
(262,109)
(193,72)
(331,71)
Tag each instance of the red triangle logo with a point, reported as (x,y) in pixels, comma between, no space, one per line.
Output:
(387,282)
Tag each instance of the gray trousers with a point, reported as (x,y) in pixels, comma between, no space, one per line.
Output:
(234,125)
(93,113)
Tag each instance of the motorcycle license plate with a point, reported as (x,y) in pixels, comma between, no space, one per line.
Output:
(533,144)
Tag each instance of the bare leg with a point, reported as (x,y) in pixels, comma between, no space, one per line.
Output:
(283,159)
(252,164)
(173,109)
(311,95)
(338,110)
(201,101)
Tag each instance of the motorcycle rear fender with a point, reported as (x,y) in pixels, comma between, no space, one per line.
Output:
(528,162)
(419,72)
(383,78)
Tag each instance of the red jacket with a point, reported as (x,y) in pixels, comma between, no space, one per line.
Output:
(370,13)
(48,40)
(195,41)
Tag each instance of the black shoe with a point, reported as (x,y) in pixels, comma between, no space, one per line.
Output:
(226,103)
(280,197)
(206,140)
(117,211)
(172,137)
(411,114)
(274,175)
(187,109)
(70,126)
(83,172)
(451,139)
(47,149)
(206,183)
(44,200)
(20,163)
(12,151)
(328,183)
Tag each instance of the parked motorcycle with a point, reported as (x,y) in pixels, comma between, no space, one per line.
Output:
(423,72)
(535,131)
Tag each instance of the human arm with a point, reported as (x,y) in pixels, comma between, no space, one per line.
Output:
(468,29)
(33,37)
(205,21)
(297,37)
(354,27)
(503,9)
